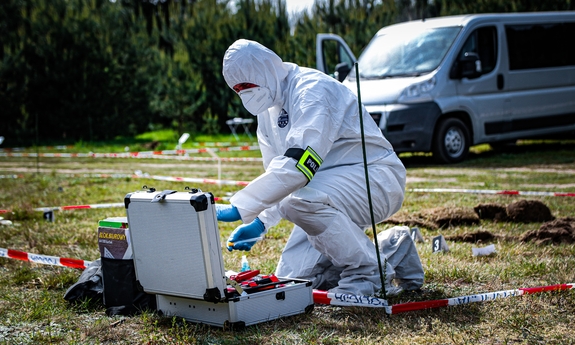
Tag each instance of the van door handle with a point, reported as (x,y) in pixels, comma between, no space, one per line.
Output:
(500,82)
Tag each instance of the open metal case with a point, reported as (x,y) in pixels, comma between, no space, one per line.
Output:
(178,257)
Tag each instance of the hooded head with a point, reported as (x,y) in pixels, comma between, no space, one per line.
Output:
(250,62)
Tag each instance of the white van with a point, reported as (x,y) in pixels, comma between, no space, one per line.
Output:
(443,84)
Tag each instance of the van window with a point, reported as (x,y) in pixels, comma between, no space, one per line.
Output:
(408,53)
(540,45)
(335,53)
(483,42)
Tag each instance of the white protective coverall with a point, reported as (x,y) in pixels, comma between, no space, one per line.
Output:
(330,211)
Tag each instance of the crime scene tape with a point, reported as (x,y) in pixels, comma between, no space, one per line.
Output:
(201,150)
(245,183)
(329,298)
(164,154)
(128,155)
(325,297)
(155,177)
(73,207)
(206,144)
(44,259)
(191,179)
(93,206)
(487,191)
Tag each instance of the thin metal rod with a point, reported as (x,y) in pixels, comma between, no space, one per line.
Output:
(367,182)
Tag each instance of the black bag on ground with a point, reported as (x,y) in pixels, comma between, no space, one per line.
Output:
(122,295)
(89,286)
(113,283)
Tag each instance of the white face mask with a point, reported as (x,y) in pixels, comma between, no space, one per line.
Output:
(256,99)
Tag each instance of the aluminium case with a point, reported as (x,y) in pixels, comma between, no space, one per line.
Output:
(176,243)
(178,257)
(246,310)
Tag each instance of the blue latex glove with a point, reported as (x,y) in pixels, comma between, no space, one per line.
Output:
(245,232)
(227,213)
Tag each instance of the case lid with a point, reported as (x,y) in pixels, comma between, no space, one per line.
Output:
(176,244)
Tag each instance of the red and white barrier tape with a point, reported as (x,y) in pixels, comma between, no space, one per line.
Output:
(73,207)
(201,150)
(11,176)
(206,144)
(93,206)
(347,300)
(165,154)
(245,183)
(487,191)
(44,259)
(157,177)
(324,297)
(191,179)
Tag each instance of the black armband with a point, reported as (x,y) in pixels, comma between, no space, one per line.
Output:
(308,161)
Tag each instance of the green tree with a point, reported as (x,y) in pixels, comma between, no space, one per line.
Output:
(71,72)
(178,96)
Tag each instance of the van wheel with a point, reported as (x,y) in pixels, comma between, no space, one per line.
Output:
(451,142)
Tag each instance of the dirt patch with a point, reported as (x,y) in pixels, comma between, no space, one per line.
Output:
(560,230)
(491,211)
(472,237)
(452,216)
(523,211)
(411,221)
(439,217)
(528,211)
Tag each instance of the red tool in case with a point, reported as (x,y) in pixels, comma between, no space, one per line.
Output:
(178,257)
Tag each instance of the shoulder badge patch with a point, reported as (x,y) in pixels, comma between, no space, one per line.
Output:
(283,119)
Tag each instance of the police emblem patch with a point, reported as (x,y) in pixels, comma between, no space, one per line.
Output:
(283,119)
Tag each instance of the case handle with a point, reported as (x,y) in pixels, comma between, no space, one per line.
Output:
(162,195)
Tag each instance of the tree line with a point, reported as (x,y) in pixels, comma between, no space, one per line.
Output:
(88,70)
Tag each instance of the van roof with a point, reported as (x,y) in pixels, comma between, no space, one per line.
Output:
(463,20)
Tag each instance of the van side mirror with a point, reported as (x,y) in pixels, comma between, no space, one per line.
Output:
(470,66)
(342,70)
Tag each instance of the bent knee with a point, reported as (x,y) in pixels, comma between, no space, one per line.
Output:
(314,217)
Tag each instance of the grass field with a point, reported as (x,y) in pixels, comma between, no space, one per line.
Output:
(33,311)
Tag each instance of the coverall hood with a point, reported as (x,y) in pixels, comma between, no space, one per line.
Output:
(248,61)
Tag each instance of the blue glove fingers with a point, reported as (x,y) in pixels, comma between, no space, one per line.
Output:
(227,213)
(246,232)
(246,246)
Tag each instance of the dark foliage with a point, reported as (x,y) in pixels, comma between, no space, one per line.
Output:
(77,70)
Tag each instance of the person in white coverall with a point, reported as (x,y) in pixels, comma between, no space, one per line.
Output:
(310,139)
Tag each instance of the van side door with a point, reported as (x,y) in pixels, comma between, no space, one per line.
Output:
(480,81)
(541,80)
(333,56)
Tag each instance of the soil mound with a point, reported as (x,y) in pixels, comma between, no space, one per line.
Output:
(411,221)
(523,211)
(561,230)
(492,211)
(472,237)
(451,216)
(435,218)
(529,211)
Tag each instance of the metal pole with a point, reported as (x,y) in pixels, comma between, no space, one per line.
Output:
(381,275)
